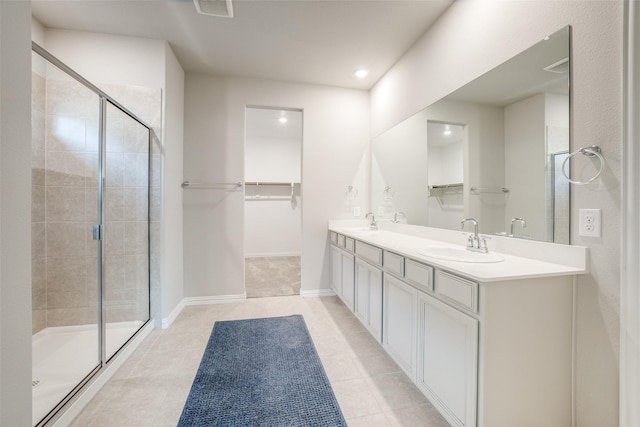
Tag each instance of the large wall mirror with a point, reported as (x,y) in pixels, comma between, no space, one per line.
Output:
(491,150)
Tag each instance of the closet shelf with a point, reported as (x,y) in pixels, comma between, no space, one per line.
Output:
(446,189)
(267,197)
(188,185)
(270,183)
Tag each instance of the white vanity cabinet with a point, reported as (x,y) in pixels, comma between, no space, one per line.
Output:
(368,304)
(489,345)
(342,272)
(447,359)
(400,320)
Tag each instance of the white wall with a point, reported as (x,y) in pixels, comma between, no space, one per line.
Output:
(485,34)
(15,213)
(273,227)
(273,159)
(130,61)
(173,115)
(334,156)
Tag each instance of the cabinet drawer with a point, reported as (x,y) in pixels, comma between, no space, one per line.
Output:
(368,252)
(334,237)
(459,291)
(418,274)
(393,263)
(341,240)
(349,244)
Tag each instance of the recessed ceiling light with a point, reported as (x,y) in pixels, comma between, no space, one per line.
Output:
(447,132)
(362,73)
(282,120)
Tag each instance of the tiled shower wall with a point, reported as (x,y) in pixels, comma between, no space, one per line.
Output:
(64,204)
(38,248)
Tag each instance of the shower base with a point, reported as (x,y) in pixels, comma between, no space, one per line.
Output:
(64,356)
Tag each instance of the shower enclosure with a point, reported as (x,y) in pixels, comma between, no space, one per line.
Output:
(90,231)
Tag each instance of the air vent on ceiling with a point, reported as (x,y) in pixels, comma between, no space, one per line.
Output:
(559,67)
(222,8)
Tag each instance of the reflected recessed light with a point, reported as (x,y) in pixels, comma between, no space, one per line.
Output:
(362,73)
(447,132)
(282,120)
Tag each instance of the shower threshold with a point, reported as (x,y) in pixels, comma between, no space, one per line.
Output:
(63,356)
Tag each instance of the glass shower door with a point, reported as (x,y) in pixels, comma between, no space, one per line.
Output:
(126,228)
(65,170)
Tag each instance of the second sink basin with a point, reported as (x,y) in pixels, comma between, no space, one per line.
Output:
(460,255)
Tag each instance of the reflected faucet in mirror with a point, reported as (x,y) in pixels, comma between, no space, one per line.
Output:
(397,216)
(513,225)
(372,224)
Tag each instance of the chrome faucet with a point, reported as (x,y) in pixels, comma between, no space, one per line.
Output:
(474,243)
(513,223)
(372,225)
(396,215)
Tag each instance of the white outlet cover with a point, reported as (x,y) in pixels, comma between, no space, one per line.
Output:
(356,211)
(590,224)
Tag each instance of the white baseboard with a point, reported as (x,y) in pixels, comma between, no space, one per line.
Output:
(272,254)
(221,299)
(310,293)
(167,321)
(218,299)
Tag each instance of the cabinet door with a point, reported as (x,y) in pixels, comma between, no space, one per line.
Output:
(336,271)
(375,303)
(368,304)
(448,360)
(400,323)
(348,279)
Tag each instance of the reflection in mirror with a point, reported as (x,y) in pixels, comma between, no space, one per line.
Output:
(507,136)
(445,204)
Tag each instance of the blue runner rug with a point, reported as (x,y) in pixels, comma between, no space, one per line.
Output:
(261,372)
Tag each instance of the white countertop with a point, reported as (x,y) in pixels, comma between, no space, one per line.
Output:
(573,259)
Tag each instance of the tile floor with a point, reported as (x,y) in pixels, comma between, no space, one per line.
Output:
(272,276)
(151,387)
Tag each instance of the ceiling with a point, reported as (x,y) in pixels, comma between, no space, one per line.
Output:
(308,41)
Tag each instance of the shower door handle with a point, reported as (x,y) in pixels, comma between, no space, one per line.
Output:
(97,232)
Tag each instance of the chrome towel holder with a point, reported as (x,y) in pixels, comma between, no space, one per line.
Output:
(592,151)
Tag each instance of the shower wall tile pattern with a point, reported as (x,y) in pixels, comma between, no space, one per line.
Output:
(65,196)
(38,213)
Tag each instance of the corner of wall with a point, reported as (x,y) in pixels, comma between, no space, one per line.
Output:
(15,213)
(172,210)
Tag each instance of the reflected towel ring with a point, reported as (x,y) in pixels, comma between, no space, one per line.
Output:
(593,151)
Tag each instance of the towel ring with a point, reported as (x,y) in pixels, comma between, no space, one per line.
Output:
(593,151)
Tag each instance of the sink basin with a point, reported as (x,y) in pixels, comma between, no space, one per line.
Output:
(363,231)
(459,254)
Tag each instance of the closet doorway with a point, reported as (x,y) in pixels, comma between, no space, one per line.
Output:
(272,206)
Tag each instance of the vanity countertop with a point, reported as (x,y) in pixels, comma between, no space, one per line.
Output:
(514,265)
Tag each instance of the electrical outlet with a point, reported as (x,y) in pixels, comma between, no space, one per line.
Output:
(380,211)
(590,224)
(356,211)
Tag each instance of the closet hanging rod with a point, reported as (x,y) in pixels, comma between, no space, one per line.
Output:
(211,185)
(288,184)
(478,190)
(267,198)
